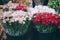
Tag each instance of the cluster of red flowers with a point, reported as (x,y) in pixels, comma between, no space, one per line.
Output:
(46,18)
(21,7)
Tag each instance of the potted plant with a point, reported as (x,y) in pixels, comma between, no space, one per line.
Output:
(16,22)
(55,4)
(45,25)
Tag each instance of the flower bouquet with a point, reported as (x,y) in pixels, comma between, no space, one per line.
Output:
(16,22)
(45,25)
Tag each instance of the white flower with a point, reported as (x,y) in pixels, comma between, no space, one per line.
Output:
(6,14)
(24,19)
(32,10)
(23,22)
(1,16)
(27,16)
(41,8)
(59,14)
(4,21)
(16,19)
(20,21)
(30,18)
(19,15)
(7,19)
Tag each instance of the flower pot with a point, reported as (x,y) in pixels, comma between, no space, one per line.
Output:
(43,35)
(9,37)
(27,36)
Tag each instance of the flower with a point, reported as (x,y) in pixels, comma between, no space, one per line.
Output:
(41,8)
(36,20)
(45,21)
(11,20)
(21,6)
(4,21)
(59,27)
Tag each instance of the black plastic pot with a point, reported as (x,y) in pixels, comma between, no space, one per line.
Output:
(9,37)
(43,36)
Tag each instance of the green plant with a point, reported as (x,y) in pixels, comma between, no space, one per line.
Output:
(55,4)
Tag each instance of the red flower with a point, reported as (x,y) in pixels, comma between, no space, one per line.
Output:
(54,21)
(46,18)
(49,20)
(59,27)
(36,20)
(55,15)
(46,13)
(17,7)
(43,21)
(51,17)
(20,6)
(42,17)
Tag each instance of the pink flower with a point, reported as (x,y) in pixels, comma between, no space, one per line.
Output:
(11,20)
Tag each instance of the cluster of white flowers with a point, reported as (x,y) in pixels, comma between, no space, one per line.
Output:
(40,9)
(19,15)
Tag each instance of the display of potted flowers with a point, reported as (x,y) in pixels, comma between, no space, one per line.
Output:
(16,22)
(45,24)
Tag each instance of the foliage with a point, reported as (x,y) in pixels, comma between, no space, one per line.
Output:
(55,4)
